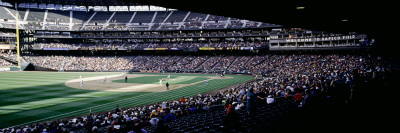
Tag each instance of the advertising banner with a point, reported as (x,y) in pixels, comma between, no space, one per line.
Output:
(5,47)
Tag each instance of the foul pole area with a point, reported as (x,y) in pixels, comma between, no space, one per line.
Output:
(17,38)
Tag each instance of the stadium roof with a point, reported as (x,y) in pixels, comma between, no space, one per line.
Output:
(78,2)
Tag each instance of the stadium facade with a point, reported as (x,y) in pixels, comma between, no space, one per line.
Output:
(143,29)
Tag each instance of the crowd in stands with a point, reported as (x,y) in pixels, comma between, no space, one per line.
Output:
(5,63)
(98,45)
(54,45)
(142,45)
(209,63)
(81,63)
(184,61)
(240,65)
(157,63)
(9,55)
(246,44)
(155,45)
(269,65)
(192,65)
(309,80)
(165,34)
(97,63)
(140,61)
(52,62)
(224,63)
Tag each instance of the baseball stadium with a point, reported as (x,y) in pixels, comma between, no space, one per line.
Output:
(126,66)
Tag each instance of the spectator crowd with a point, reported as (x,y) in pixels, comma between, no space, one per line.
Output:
(142,45)
(267,65)
(8,55)
(81,63)
(309,80)
(5,63)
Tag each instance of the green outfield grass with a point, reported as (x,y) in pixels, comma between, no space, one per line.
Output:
(32,97)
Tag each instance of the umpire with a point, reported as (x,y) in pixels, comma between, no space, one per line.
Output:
(167,86)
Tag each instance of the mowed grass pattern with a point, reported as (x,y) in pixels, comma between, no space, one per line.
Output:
(31,97)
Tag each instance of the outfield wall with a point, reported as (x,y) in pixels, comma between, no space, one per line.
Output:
(4,69)
(8,68)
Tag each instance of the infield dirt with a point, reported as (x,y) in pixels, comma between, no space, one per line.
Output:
(97,83)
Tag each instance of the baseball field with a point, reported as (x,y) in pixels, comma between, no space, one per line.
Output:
(32,97)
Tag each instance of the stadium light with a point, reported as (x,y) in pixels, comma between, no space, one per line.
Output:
(300,7)
(345,20)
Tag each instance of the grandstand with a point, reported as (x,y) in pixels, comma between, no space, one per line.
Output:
(103,67)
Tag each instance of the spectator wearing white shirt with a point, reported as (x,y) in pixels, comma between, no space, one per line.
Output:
(270,99)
